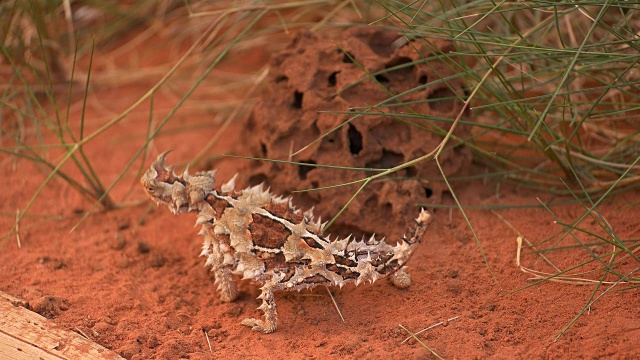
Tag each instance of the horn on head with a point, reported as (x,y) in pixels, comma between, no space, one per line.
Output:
(163,173)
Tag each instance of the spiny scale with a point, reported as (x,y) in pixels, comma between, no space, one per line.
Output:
(266,239)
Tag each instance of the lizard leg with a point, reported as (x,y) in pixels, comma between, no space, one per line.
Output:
(268,306)
(227,283)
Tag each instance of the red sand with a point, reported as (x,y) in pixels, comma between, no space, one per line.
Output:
(142,290)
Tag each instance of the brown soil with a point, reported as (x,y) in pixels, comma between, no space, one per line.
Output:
(141,289)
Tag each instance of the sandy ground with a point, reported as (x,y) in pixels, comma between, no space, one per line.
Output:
(133,282)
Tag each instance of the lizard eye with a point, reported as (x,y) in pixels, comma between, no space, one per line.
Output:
(151,188)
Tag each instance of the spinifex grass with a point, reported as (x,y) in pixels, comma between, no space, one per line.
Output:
(42,87)
(32,95)
(604,269)
(552,88)
(43,83)
(553,98)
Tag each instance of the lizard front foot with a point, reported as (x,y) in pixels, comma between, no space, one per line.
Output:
(259,325)
(270,323)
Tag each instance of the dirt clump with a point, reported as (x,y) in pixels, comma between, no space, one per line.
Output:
(48,306)
(313,95)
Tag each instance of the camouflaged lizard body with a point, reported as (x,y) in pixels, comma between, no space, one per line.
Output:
(264,238)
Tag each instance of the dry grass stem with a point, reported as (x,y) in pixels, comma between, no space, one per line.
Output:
(18,229)
(250,93)
(569,279)
(82,333)
(519,250)
(420,342)
(206,336)
(335,303)
(522,238)
(429,328)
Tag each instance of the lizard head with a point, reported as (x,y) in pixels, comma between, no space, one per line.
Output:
(162,185)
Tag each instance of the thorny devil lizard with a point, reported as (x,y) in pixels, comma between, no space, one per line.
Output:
(266,239)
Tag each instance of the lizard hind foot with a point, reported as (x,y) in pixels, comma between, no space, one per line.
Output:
(226,297)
